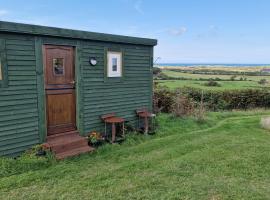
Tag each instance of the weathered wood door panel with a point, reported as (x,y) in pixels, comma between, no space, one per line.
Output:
(60,89)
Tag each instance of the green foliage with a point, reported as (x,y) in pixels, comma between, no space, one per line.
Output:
(163,99)
(233,78)
(263,81)
(26,162)
(182,105)
(212,83)
(215,100)
(156,70)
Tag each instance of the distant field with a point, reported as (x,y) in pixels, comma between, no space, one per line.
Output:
(207,76)
(225,85)
(250,83)
(218,68)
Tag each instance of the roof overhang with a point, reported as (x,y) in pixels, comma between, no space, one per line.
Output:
(12,27)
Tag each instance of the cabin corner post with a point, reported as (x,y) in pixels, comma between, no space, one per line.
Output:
(79,89)
(40,90)
(151,78)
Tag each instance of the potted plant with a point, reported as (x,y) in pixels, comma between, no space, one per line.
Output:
(95,139)
(41,149)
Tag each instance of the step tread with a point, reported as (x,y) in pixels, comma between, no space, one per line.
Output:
(66,140)
(65,134)
(74,152)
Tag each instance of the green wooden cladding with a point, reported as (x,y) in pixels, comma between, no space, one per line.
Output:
(22,101)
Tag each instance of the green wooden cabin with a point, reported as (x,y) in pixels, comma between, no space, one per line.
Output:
(93,73)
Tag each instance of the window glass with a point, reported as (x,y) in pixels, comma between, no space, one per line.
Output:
(58,66)
(114,64)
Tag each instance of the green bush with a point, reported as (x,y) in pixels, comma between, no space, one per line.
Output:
(216,100)
(163,99)
(156,70)
(212,83)
(262,82)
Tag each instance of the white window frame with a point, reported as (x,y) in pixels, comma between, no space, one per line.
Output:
(110,56)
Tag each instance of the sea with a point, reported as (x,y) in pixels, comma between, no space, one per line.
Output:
(209,65)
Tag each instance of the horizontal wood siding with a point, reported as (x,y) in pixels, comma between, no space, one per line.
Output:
(102,96)
(19,113)
(18,101)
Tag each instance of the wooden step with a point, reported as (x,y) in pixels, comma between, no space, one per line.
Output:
(74,152)
(52,138)
(68,144)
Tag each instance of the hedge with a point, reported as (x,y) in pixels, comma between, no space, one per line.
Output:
(215,100)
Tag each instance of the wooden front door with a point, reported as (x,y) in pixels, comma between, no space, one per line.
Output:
(60,89)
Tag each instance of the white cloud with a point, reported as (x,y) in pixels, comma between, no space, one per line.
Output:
(178,32)
(3,13)
(138,6)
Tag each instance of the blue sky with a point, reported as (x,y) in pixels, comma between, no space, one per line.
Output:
(188,31)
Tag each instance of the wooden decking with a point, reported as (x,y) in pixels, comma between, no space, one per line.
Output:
(68,144)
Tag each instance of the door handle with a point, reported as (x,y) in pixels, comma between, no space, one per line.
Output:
(72,82)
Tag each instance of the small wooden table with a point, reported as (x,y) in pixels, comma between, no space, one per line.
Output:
(112,119)
(143,113)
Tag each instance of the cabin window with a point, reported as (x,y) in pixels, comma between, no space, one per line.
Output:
(114,64)
(58,66)
(3,64)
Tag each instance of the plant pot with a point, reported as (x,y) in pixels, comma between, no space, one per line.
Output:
(41,153)
(96,144)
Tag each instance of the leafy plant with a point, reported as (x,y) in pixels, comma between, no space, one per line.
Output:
(95,137)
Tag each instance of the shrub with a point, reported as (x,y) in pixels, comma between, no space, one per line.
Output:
(212,83)
(182,106)
(233,77)
(200,111)
(156,70)
(262,82)
(162,76)
(163,99)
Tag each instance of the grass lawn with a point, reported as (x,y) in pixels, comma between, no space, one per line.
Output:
(227,157)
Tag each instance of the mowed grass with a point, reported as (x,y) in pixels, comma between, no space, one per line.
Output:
(227,157)
(250,83)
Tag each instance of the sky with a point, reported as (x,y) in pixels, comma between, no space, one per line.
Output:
(188,31)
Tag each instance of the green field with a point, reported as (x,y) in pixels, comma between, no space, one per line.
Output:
(250,83)
(224,85)
(227,157)
(207,76)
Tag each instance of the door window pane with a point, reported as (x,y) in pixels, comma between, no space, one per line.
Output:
(58,66)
